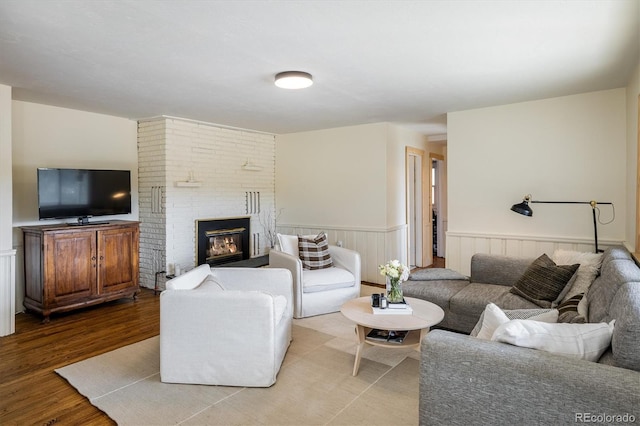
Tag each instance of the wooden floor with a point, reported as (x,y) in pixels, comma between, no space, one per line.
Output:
(31,393)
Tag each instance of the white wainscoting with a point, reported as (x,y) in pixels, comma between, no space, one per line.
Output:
(461,246)
(7,292)
(376,246)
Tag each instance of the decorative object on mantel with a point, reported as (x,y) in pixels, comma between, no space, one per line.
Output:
(524,209)
(190,182)
(395,273)
(250,166)
(269,224)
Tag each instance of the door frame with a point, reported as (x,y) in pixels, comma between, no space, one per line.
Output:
(425,205)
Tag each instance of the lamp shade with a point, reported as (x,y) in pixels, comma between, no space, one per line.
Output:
(293,80)
(522,208)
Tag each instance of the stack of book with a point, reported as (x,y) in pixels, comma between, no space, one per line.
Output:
(387,336)
(394,309)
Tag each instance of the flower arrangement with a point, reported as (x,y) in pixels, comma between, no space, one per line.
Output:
(396,273)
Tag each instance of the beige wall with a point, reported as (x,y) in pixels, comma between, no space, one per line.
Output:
(7,253)
(567,148)
(571,148)
(350,182)
(333,177)
(48,136)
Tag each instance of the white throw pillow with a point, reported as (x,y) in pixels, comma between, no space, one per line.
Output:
(583,341)
(288,244)
(493,317)
(590,264)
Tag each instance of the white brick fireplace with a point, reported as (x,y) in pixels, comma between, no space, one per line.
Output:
(189,170)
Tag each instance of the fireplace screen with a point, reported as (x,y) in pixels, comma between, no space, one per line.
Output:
(224,245)
(224,240)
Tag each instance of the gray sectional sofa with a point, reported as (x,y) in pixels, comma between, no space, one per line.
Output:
(465,380)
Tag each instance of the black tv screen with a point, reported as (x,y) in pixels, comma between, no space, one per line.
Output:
(81,193)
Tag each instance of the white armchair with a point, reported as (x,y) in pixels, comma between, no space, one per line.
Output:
(320,291)
(225,326)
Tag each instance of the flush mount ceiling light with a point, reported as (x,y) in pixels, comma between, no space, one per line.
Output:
(293,80)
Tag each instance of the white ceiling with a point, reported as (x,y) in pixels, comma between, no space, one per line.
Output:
(407,62)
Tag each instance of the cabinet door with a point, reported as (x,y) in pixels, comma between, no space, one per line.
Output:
(117,259)
(70,266)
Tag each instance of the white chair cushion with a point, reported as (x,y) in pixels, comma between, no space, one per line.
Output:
(326,279)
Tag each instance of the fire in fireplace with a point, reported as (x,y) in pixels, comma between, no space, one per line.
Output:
(224,244)
(222,240)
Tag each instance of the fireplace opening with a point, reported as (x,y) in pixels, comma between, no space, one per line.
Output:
(221,241)
(224,245)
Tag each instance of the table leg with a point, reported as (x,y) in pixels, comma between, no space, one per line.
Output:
(423,332)
(360,337)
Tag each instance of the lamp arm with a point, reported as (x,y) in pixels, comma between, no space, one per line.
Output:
(593,203)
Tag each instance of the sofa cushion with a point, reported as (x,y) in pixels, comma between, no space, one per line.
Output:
(314,252)
(582,341)
(496,269)
(436,274)
(509,300)
(438,292)
(327,279)
(493,316)
(473,298)
(543,281)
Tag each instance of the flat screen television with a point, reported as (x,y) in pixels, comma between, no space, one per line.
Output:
(83,193)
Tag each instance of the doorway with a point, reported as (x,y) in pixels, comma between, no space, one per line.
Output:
(417,184)
(437,204)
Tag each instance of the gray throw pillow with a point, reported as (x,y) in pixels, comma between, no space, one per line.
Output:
(543,281)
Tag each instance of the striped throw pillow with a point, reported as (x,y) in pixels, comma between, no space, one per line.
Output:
(314,252)
(568,310)
(543,281)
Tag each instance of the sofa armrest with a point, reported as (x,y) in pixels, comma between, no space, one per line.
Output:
(347,259)
(464,380)
(280,259)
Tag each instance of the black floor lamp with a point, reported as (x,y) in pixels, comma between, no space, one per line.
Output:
(524,209)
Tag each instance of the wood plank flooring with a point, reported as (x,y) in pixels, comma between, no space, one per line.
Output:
(31,393)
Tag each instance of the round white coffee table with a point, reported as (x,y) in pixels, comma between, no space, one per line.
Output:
(425,314)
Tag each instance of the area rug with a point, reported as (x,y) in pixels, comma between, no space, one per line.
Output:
(314,385)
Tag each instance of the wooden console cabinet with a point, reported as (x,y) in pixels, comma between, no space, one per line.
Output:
(69,267)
